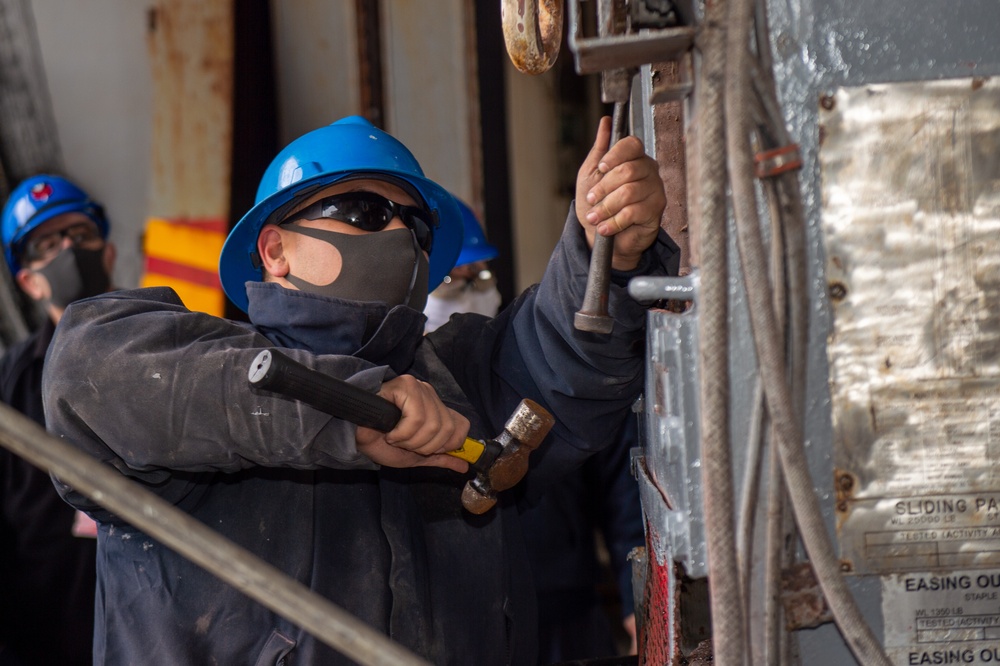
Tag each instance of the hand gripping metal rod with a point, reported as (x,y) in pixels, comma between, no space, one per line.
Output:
(200,544)
(593,315)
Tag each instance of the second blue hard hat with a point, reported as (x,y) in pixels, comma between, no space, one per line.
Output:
(475,247)
(37,200)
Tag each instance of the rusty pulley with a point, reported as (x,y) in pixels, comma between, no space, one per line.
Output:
(532,30)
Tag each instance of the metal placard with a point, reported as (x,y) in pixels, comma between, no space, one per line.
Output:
(911,227)
(942,619)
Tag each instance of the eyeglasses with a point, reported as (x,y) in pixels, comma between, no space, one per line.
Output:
(45,248)
(370,212)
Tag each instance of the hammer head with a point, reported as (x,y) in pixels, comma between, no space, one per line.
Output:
(523,432)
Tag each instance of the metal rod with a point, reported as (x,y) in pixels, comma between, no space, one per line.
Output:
(200,544)
(593,315)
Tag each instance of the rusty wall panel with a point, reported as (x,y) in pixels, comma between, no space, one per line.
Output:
(671,149)
(191,52)
(911,215)
(191,46)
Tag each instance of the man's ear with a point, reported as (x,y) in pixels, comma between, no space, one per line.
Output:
(32,283)
(271,248)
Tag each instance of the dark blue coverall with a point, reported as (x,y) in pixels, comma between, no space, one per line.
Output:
(161,395)
(47,575)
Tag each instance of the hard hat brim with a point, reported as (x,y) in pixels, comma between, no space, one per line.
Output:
(237,267)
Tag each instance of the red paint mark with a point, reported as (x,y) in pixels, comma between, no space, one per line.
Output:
(654,641)
(181,272)
(215,224)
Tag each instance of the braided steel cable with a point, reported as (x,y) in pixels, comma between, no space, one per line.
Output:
(727,605)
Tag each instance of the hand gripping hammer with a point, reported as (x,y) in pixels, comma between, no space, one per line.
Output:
(500,463)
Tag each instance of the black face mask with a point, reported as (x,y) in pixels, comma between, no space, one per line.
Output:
(75,273)
(385,266)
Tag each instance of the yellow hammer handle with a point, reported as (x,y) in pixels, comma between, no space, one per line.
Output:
(469,451)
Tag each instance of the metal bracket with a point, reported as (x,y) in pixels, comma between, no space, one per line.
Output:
(617,48)
(669,471)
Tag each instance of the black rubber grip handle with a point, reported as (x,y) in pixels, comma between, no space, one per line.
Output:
(275,372)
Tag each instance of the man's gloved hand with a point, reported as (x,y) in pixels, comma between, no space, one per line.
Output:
(425,432)
(619,193)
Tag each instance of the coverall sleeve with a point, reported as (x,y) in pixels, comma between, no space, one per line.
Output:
(619,507)
(142,383)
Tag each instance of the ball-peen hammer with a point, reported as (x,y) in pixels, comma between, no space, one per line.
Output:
(500,463)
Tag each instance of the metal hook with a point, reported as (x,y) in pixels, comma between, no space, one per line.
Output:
(532,31)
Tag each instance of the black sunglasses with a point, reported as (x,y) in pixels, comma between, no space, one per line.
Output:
(370,212)
(82,234)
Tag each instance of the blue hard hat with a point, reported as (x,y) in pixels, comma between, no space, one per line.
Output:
(475,247)
(348,149)
(37,200)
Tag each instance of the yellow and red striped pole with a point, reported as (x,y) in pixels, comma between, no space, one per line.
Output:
(191,47)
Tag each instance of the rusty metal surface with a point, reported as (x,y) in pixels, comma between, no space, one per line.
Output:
(668,119)
(612,49)
(532,32)
(191,51)
(672,81)
(911,214)
(616,84)
(802,599)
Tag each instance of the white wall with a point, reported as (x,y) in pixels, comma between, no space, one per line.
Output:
(316,65)
(430,88)
(539,210)
(97,70)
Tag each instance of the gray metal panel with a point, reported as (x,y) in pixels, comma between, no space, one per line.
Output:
(820,44)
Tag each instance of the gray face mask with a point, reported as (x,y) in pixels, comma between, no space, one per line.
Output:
(385,266)
(75,273)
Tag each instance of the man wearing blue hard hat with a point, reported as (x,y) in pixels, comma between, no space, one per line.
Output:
(333,265)
(470,286)
(55,245)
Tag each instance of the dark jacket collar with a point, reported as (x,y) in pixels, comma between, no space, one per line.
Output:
(324,325)
(44,338)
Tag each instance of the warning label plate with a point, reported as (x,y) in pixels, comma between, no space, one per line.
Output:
(952,618)
(911,225)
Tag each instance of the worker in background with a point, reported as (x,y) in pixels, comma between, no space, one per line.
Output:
(576,602)
(333,265)
(55,244)
(470,286)
(599,499)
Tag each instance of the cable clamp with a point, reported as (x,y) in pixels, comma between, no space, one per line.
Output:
(771,163)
